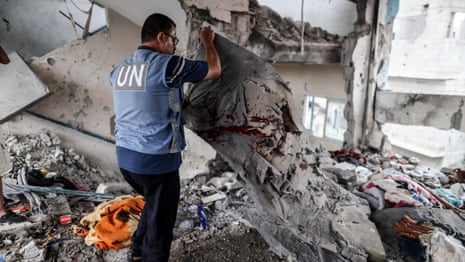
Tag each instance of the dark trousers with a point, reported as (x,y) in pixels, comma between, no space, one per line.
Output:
(152,239)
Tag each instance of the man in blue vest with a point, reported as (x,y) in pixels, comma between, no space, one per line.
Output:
(148,95)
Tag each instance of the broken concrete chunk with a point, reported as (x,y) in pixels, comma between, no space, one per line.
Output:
(57,206)
(213,198)
(345,172)
(351,223)
(31,252)
(114,187)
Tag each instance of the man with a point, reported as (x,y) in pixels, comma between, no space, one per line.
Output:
(6,216)
(148,95)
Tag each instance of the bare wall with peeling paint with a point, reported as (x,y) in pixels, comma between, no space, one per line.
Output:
(422,47)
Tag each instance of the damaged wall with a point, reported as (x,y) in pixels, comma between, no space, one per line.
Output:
(423,35)
(339,21)
(425,81)
(85,102)
(316,80)
(77,75)
(366,60)
(356,61)
(440,111)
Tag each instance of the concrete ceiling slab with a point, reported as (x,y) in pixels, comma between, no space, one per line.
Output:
(19,87)
(137,11)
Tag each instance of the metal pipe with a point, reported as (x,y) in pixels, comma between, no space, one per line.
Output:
(302,28)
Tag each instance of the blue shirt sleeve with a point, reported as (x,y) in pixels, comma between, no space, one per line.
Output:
(181,70)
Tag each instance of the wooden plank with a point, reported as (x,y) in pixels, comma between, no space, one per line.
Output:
(441,111)
(19,87)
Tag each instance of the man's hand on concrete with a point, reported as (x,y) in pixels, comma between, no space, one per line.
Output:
(207,35)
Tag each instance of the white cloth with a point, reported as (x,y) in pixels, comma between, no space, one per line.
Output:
(441,247)
(5,163)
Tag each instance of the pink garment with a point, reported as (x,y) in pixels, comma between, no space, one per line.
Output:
(412,185)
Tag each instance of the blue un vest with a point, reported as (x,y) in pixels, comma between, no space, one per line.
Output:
(147,112)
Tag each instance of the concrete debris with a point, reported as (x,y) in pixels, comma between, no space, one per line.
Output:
(231,205)
(46,237)
(57,205)
(213,198)
(31,252)
(248,118)
(301,204)
(113,187)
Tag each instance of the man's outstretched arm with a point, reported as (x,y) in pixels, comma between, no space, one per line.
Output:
(207,36)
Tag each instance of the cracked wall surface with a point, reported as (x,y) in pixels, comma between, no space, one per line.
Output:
(441,111)
(425,81)
(77,75)
(248,117)
(267,34)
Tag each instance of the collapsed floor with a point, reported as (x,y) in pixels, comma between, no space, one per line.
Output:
(212,217)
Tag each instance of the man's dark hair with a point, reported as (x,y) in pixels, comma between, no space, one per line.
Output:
(155,24)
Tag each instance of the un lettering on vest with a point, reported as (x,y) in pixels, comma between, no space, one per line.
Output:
(131,77)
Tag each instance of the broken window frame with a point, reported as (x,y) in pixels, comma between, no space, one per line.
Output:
(308,121)
(456,26)
(83,31)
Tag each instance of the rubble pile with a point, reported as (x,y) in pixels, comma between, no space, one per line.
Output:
(309,204)
(282,29)
(418,211)
(43,162)
(211,205)
(44,151)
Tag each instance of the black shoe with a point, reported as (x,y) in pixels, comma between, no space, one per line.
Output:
(11,217)
(133,256)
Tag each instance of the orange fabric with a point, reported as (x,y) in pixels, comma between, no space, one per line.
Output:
(114,232)
(112,223)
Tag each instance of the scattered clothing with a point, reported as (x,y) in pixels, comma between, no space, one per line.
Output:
(35,178)
(349,156)
(442,247)
(410,228)
(457,176)
(112,223)
(374,196)
(11,217)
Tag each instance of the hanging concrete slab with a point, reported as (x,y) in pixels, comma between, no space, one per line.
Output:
(19,87)
(248,117)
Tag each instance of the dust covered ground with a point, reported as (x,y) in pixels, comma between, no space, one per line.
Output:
(241,246)
(224,236)
(220,232)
